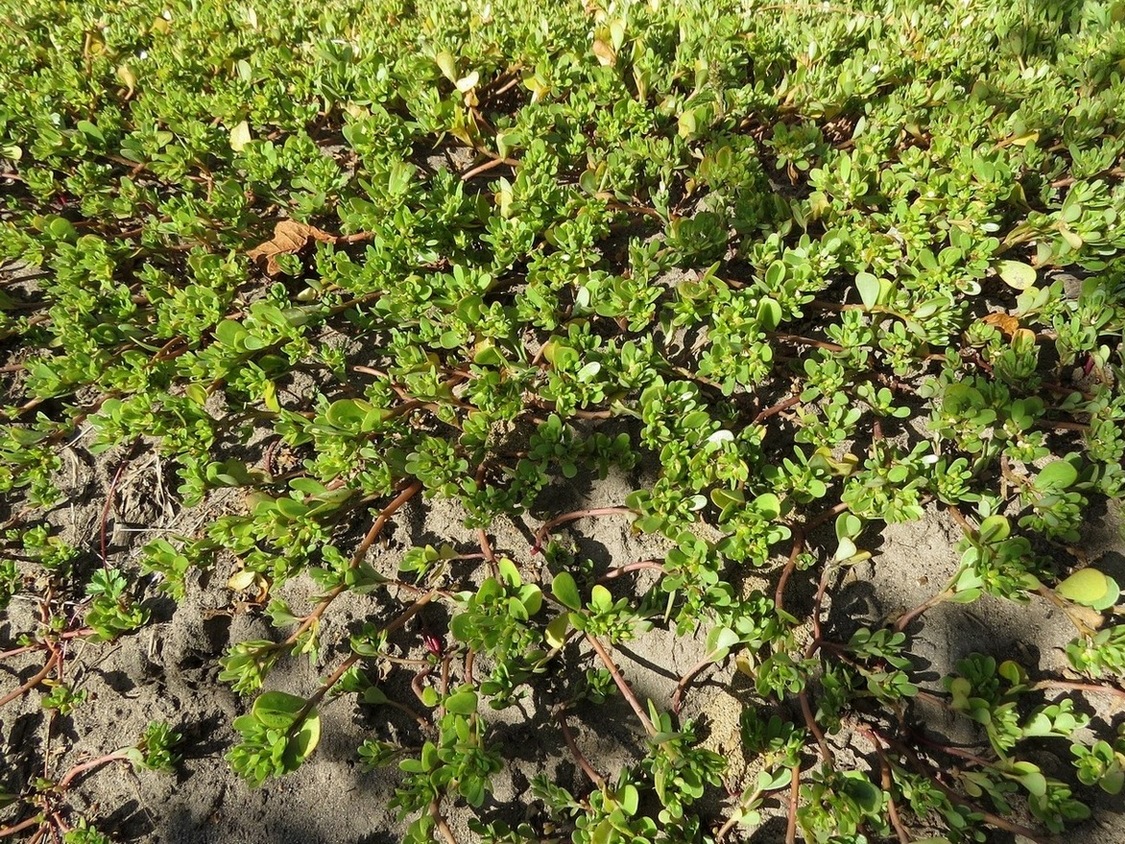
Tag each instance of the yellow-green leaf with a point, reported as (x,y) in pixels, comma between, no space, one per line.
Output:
(240,136)
(1016,274)
(1091,588)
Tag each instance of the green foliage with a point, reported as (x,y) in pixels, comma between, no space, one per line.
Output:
(459,763)
(277,735)
(773,267)
(112,611)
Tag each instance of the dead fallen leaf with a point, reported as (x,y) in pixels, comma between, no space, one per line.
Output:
(1005,322)
(289,237)
(605,53)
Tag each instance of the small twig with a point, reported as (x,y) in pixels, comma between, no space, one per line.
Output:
(773,410)
(416,683)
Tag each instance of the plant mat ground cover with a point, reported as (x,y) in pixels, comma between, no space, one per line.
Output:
(631,422)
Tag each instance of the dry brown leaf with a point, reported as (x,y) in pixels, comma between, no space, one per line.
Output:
(289,237)
(605,53)
(1005,322)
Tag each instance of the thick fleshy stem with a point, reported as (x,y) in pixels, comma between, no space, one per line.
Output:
(545,530)
(622,686)
(357,558)
(15,829)
(78,770)
(579,756)
(33,682)
(681,687)
(887,783)
(794,800)
(439,821)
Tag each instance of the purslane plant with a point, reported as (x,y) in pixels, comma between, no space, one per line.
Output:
(780,267)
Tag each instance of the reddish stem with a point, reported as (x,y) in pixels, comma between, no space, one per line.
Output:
(483,168)
(439,821)
(8,831)
(541,534)
(470,660)
(790,567)
(681,687)
(357,558)
(805,341)
(1093,688)
(335,676)
(642,565)
(579,757)
(33,682)
(622,686)
(486,550)
(794,799)
(903,621)
(887,783)
(78,770)
(775,409)
(799,534)
(954,797)
(814,728)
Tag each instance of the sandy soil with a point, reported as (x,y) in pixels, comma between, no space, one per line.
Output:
(168,671)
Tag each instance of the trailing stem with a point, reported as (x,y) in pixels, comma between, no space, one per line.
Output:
(342,669)
(33,682)
(989,817)
(357,558)
(579,756)
(545,530)
(622,686)
(794,800)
